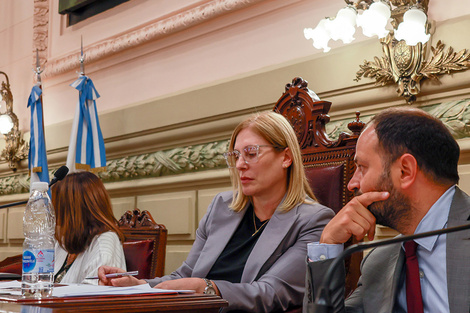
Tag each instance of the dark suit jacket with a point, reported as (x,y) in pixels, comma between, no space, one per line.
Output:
(382,267)
(274,274)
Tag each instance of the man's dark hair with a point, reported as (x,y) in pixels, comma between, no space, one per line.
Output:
(413,131)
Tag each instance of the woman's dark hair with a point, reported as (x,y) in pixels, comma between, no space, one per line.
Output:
(83,210)
(413,131)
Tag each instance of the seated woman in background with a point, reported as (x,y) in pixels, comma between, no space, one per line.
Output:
(251,245)
(86,230)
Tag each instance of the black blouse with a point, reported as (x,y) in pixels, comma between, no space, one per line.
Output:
(231,262)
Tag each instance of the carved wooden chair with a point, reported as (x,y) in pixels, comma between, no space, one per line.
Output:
(12,265)
(145,244)
(329,164)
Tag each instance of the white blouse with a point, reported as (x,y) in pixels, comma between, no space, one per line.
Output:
(104,249)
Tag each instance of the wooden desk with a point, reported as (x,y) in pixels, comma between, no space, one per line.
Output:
(127,303)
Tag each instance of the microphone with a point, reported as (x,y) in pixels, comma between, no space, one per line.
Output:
(323,298)
(58,175)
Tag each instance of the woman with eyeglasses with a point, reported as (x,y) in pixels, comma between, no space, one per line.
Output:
(251,245)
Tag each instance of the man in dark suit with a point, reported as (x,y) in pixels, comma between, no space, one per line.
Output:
(405,179)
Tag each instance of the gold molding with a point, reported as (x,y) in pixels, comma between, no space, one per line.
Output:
(180,160)
(208,156)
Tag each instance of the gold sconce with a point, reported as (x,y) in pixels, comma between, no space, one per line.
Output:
(405,46)
(16,149)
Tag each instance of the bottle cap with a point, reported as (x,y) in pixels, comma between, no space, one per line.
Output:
(40,186)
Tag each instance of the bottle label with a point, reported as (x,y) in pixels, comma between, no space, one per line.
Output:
(29,261)
(38,261)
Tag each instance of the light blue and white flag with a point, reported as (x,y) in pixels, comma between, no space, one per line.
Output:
(37,144)
(86,147)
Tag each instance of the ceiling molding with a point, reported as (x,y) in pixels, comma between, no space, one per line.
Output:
(136,37)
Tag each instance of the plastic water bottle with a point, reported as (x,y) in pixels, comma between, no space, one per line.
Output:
(38,246)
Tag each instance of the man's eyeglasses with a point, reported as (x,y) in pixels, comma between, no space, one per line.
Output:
(250,155)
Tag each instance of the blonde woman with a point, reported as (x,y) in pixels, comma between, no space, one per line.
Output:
(251,245)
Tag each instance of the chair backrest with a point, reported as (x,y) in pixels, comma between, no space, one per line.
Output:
(144,246)
(329,165)
(145,243)
(12,264)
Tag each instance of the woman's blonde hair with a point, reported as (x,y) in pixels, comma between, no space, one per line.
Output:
(275,129)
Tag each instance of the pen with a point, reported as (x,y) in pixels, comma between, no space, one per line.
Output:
(115,275)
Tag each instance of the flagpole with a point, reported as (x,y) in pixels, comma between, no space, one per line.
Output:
(81,58)
(38,72)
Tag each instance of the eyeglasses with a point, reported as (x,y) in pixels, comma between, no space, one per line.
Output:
(250,155)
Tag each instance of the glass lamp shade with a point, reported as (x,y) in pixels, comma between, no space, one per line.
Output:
(319,34)
(412,29)
(6,124)
(374,20)
(344,25)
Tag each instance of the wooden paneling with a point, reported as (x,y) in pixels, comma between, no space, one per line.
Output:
(176,210)
(3,225)
(204,199)
(121,205)
(15,223)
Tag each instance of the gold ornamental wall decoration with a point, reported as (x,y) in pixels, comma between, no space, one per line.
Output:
(16,149)
(407,67)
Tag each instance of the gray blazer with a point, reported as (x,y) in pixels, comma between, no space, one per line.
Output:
(382,268)
(273,278)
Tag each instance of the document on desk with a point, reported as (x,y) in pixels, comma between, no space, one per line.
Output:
(10,288)
(92,290)
(82,290)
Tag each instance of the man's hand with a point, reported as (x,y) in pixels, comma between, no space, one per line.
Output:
(196,284)
(119,281)
(354,219)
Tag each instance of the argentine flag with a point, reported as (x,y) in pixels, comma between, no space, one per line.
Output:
(37,145)
(86,146)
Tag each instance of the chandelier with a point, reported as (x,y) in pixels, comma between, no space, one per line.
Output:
(403,29)
(406,18)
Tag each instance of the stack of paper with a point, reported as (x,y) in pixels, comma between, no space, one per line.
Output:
(91,290)
(81,290)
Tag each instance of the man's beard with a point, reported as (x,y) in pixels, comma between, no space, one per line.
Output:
(394,212)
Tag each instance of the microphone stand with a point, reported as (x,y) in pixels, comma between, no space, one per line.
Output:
(13,204)
(323,299)
(58,175)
